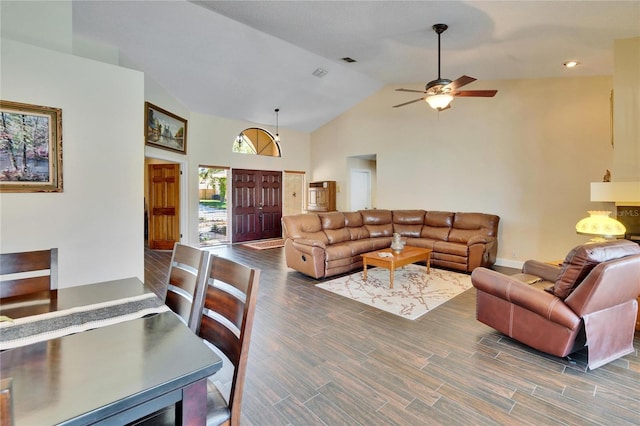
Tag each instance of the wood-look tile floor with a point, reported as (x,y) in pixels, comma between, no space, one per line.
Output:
(320,359)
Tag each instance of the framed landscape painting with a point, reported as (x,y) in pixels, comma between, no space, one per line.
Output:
(30,148)
(164,129)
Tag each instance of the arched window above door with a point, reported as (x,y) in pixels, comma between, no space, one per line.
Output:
(255,141)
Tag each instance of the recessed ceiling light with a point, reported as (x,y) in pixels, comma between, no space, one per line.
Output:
(571,64)
(320,72)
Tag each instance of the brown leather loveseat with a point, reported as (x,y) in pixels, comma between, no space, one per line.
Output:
(591,300)
(325,244)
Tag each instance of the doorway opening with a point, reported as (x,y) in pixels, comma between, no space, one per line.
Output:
(362,181)
(213,215)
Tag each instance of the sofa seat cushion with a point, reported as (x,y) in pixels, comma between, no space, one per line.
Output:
(420,242)
(583,258)
(338,251)
(446,247)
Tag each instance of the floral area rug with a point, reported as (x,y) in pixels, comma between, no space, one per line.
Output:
(414,292)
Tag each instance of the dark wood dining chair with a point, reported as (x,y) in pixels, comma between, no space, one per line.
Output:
(227,320)
(186,282)
(28,272)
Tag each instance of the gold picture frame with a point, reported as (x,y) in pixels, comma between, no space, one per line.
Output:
(30,148)
(164,130)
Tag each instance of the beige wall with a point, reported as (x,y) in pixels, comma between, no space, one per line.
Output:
(626,158)
(527,155)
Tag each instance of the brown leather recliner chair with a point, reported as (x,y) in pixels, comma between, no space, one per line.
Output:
(590,300)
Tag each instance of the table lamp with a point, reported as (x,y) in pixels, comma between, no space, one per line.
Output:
(600,226)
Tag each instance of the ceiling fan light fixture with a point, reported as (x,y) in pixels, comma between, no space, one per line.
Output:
(439,102)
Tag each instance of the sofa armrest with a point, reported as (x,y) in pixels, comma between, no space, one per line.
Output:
(480,239)
(546,271)
(525,296)
(299,243)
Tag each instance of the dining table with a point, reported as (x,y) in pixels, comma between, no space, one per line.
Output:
(104,353)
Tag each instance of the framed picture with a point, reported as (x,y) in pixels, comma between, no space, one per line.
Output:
(164,129)
(30,148)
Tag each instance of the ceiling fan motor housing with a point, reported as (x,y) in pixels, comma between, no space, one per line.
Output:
(440,28)
(437,86)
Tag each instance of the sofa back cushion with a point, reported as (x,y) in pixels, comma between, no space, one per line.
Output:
(333,225)
(378,222)
(467,225)
(437,225)
(307,226)
(583,258)
(355,225)
(408,223)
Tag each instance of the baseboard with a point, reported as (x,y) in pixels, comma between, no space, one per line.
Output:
(510,263)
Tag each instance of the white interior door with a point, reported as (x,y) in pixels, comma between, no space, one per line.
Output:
(360,189)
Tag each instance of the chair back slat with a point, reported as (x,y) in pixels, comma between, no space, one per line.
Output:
(44,263)
(23,286)
(226,303)
(188,270)
(225,339)
(229,308)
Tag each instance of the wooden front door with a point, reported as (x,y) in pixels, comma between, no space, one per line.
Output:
(164,205)
(257,204)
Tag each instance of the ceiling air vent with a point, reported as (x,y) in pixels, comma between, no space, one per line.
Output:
(348,59)
(320,72)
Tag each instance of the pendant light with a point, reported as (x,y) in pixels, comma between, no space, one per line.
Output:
(277,138)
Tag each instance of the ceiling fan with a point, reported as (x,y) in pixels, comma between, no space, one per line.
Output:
(440,92)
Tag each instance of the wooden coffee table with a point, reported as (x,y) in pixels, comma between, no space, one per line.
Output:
(407,256)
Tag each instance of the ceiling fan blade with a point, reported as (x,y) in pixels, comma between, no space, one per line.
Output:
(476,93)
(410,90)
(462,81)
(407,103)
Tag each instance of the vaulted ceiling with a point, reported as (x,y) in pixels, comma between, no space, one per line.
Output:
(243,59)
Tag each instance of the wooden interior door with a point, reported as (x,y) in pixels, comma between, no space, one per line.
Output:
(270,205)
(256,204)
(164,205)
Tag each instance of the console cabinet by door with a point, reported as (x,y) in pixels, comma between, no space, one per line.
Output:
(322,196)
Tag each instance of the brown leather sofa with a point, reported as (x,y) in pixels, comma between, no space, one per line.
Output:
(590,300)
(325,244)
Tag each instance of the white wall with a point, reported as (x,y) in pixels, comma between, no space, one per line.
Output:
(527,155)
(42,23)
(97,221)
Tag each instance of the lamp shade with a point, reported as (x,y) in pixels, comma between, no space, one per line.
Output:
(599,224)
(439,101)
